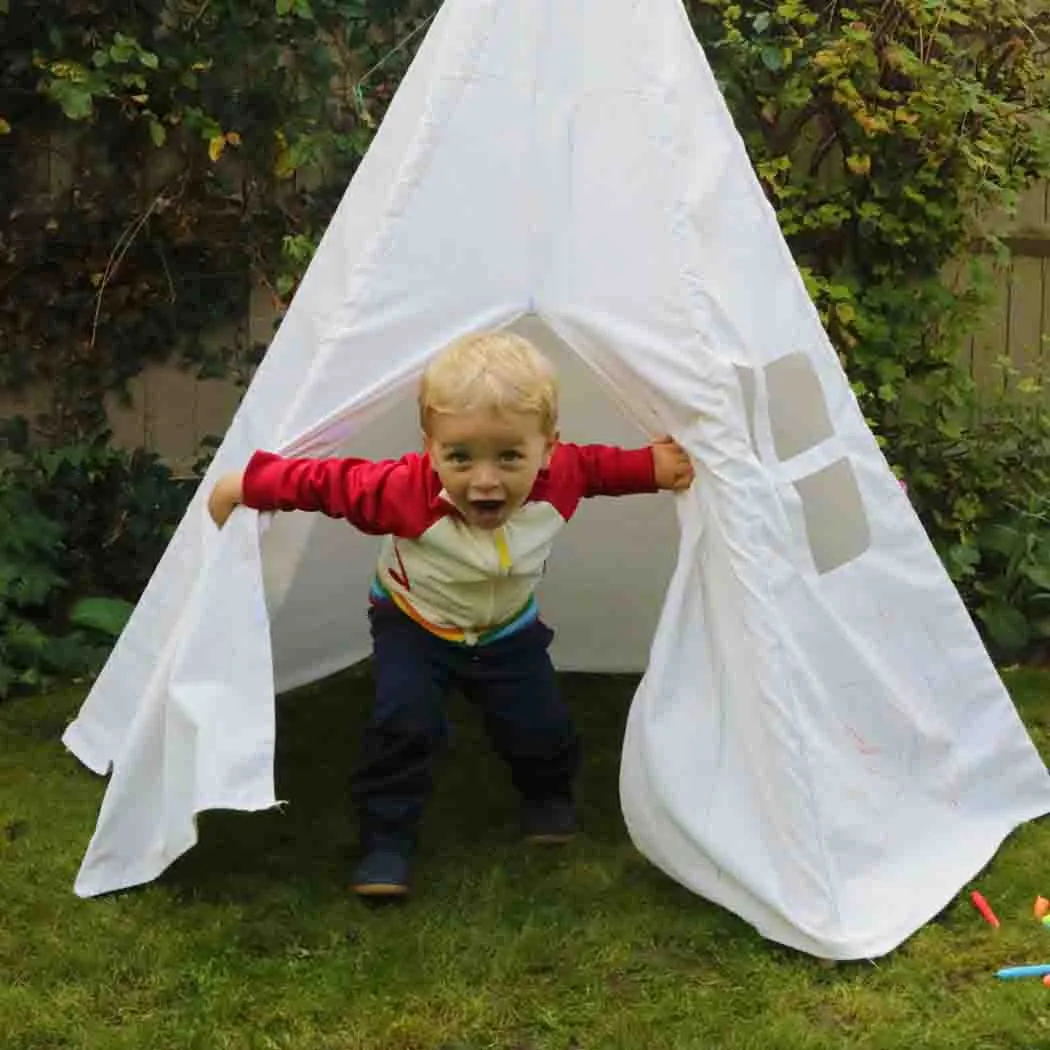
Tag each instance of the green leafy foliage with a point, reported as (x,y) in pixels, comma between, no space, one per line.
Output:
(985,492)
(29,583)
(161,156)
(81,529)
(108,616)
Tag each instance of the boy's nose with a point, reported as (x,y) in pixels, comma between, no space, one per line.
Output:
(485,479)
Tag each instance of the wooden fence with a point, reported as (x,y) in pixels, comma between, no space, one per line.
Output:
(171,412)
(1017,326)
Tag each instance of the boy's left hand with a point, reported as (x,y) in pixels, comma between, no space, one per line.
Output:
(671,465)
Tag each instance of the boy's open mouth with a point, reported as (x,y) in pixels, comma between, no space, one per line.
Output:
(487,512)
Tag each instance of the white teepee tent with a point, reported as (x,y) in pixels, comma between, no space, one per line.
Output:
(820,742)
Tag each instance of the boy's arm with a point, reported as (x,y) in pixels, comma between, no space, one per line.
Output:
(388,496)
(605,470)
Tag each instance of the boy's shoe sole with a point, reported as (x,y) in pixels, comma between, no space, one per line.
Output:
(550,839)
(551,822)
(380,889)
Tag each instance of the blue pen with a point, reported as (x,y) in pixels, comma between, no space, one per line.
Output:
(1012,972)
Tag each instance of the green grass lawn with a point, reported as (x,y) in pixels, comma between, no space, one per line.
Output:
(252,940)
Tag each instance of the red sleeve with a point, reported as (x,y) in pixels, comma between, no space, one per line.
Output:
(377,497)
(580,471)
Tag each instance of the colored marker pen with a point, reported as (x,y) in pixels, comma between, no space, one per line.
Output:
(984,908)
(1014,972)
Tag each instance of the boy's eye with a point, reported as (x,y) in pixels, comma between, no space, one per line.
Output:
(457,455)
(510,456)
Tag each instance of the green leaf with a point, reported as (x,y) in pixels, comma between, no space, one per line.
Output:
(33,585)
(25,640)
(157,133)
(964,555)
(106,615)
(283,7)
(1002,539)
(73,653)
(30,676)
(1037,574)
(1007,626)
(149,59)
(772,58)
(75,99)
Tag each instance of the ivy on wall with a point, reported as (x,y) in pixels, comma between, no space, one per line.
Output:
(153,152)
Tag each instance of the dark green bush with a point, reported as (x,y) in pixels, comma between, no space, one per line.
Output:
(81,529)
(983,491)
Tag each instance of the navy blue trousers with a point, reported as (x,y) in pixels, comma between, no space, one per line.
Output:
(511,680)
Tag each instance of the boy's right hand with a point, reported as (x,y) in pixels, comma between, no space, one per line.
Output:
(671,465)
(224,497)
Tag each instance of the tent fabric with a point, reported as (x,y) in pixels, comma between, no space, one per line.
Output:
(819,741)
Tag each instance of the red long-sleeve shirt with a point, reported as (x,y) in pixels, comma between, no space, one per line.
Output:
(456,580)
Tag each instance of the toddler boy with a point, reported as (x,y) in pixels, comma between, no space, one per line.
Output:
(468,525)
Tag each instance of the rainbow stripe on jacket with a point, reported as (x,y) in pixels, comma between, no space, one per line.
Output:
(528,614)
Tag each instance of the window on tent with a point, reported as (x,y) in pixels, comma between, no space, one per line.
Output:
(837,527)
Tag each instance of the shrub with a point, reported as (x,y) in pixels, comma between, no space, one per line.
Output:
(81,528)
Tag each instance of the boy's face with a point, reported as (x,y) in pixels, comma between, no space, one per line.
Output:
(487,461)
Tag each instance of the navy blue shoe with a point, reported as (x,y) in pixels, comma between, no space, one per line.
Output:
(381,873)
(548,822)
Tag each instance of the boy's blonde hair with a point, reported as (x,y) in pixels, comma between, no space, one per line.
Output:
(500,371)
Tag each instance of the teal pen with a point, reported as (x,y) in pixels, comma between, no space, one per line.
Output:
(1012,972)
